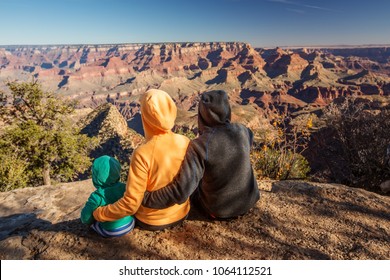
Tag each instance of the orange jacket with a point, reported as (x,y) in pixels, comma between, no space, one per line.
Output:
(153,164)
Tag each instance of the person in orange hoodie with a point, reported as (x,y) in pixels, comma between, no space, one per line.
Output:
(153,165)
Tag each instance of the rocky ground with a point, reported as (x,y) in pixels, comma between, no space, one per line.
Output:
(293,220)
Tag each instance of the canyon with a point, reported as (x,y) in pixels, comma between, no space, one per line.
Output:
(260,82)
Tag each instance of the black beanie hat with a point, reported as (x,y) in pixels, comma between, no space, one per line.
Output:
(214,109)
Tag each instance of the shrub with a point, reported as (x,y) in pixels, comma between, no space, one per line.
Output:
(185,131)
(13,172)
(277,153)
(44,141)
(362,130)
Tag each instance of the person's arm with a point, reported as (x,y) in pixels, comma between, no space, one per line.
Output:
(94,201)
(184,183)
(132,198)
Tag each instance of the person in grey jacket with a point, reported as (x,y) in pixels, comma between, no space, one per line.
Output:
(216,167)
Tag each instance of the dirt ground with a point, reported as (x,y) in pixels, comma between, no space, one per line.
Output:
(292,220)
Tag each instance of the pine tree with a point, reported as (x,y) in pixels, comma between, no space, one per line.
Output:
(39,138)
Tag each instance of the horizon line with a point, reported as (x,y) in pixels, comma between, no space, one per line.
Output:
(201,42)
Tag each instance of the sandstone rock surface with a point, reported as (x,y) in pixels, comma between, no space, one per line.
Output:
(293,220)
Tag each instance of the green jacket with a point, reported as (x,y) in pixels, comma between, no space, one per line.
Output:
(105,178)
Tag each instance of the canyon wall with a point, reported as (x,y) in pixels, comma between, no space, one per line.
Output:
(260,82)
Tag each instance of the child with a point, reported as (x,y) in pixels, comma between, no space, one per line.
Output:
(105,178)
(217,169)
(152,166)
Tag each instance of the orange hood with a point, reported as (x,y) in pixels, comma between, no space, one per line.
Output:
(158,112)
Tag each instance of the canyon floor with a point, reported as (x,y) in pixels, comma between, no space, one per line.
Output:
(292,220)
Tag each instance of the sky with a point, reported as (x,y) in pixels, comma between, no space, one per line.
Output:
(261,23)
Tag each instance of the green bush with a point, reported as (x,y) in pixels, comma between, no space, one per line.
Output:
(45,144)
(13,172)
(185,131)
(271,163)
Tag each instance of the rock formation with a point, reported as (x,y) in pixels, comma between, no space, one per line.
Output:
(295,78)
(115,137)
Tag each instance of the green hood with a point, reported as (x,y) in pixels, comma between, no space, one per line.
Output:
(105,172)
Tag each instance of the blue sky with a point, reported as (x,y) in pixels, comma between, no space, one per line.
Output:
(262,23)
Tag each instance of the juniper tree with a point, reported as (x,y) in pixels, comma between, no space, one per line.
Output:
(39,137)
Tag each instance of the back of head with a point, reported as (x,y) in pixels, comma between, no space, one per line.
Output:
(214,109)
(158,112)
(105,172)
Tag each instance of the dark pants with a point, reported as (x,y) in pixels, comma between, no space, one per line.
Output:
(155,228)
(197,202)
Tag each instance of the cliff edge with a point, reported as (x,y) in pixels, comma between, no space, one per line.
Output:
(292,220)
